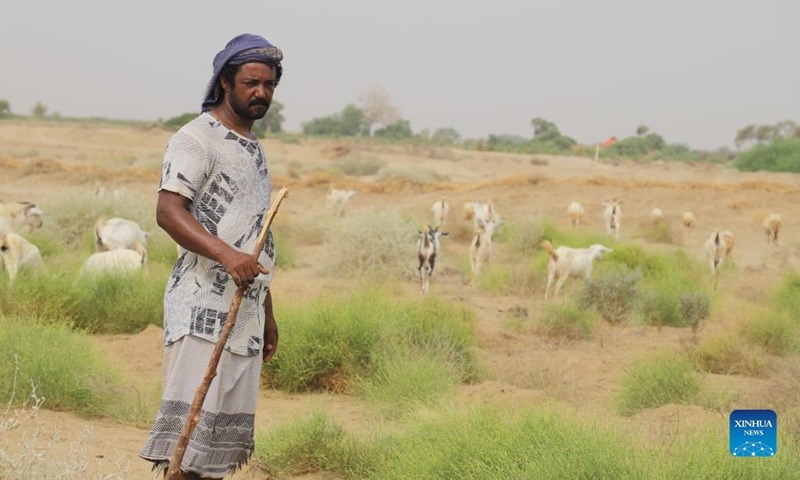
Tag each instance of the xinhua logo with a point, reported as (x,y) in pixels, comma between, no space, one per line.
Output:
(754,433)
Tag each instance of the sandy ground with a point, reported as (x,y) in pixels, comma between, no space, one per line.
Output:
(43,162)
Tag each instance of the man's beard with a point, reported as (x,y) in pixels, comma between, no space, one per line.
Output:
(245,111)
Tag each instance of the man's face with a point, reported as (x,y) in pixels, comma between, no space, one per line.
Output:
(252,91)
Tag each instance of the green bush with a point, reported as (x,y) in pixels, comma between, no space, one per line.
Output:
(780,155)
(652,382)
(59,362)
(694,307)
(360,166)
(177,122)
(728,354)
(328,344)
(566,321)
(787,296)
(613,293)
(775,332)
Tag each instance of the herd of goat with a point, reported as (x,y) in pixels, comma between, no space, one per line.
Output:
(564,262)
(122,244)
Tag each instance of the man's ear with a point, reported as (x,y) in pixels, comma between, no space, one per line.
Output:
(223,82)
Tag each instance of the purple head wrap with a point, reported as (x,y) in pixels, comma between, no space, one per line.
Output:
(241,49)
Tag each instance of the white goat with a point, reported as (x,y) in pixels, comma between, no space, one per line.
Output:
(441,211)
(575,212)
(688,220)
(119,234)
(114,262)
(718,247)
(612,215)
(19,254)
(480,211)
(656,215)
(772,226)
(337,199)
(480,251)
(15,217)
(568,262)
(427,249)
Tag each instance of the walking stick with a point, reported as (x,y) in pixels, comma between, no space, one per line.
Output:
(200,395)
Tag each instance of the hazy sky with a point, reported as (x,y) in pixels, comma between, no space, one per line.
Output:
(695,71)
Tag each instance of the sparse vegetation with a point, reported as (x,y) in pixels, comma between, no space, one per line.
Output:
(655,381)
(612,292)
(781,155)
(728,354)
(566,321)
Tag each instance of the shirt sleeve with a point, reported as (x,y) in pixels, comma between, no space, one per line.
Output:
(186,166)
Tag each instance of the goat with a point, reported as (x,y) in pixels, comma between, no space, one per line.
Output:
(568,262)
(480,211)
(114,262)
(119,234)
(688,220)
(19,254)
(612,215)
(16,216)
(440,210)
(772,226)
(656,215)
(718,247)
(338,199)
(427,249)
(480,250)
(575,212)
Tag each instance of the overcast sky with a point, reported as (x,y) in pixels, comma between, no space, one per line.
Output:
(693,70)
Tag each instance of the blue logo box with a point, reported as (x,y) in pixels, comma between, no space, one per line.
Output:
(754,433)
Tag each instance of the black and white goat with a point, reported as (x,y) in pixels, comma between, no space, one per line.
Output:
(427,250)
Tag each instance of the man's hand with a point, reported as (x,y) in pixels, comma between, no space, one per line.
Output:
(242,268)
(270,338)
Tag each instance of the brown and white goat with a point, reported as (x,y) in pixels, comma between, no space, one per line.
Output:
(428,248)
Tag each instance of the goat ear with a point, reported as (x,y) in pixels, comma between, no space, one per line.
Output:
(444,234)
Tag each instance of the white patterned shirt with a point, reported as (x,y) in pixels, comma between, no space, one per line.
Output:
(226,178)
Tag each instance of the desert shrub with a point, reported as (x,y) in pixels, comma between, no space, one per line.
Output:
(524,238)
(177,122)
(566,321)
(775,332)
(574,238)
(360,166)
(660,308)
(376,243)
(307,445)
(728,354)
(780,155)
(416,174)
(787,296)
(694,307)
(652,382)
(60,362)
(658,232)
(613,293)
(330,343)
(105,304)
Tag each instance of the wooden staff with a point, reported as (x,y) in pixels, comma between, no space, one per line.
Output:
(200,395)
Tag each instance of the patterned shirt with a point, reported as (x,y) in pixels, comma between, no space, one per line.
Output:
(225,176)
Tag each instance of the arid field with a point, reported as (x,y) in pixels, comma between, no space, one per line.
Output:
(527,355)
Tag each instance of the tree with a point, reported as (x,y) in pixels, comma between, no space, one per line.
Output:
(378,108)
(39,110)
(642,130)
(5,109)
(177,122)
(765,133)
(349,122)
(446,135)
(273,120)
(544,130)
(744,135)
(396,131)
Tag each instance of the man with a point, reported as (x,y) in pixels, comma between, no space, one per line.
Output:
(213,198)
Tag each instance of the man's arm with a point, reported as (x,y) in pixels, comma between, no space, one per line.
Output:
(270,328)
(172,214)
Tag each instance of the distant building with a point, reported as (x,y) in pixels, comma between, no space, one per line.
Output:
(609,142)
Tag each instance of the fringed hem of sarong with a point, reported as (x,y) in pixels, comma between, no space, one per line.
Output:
(161,465)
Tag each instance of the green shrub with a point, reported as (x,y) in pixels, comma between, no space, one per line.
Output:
(330,343)
(59,362)
(613,293)
(694,307)
(567,321)
(652,382)
(780,155)
(775,332)
(728,354)
(787,296)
